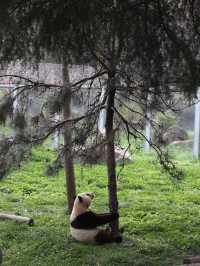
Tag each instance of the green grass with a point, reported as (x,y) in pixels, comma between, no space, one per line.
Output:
(161,217)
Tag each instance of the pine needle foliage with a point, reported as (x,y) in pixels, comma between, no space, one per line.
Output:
(139,44)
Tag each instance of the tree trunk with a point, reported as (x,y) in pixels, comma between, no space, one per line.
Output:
(110,156)
(68,157)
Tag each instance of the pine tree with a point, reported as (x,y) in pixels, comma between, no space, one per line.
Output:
(138,45)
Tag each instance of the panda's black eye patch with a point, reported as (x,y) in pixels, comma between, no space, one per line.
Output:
(80,198)
(89,195)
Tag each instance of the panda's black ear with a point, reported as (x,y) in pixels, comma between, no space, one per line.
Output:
(74,197)
(80,198)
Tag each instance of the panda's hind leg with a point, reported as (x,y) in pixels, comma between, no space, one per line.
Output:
(105,236)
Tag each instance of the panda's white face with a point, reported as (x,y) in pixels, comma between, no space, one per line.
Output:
(84,199)
(81,204)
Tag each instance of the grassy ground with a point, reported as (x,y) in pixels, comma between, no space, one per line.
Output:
(161,217)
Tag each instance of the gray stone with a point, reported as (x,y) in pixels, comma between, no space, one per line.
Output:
(174,134)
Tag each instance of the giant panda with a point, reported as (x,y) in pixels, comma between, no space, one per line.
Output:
(84,223)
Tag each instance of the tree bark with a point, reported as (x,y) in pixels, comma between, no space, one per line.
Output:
(68,157)
(110,156)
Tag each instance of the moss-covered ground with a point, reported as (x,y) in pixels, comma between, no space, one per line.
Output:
(161,217)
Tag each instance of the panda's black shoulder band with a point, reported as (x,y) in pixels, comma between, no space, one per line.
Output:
(90,220)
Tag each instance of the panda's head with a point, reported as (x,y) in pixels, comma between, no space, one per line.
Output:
(83,200)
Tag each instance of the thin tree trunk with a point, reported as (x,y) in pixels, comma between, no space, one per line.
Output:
(68,157)
(110,156)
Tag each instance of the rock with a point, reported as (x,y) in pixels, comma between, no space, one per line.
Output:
(174,134)
(11,154)
(185,143)
(122,154)
(91,155)
(98,155)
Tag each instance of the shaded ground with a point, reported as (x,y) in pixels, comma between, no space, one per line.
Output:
(161,217)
